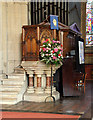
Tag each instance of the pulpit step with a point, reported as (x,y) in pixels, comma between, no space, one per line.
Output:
(12,81)
(9,88)
(16,75)
(8,100)
(8,96)
(12,88)
(8,93)
(19,70)
(11,85)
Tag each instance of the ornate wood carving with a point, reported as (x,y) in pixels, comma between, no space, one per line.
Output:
(33,37)
(46,33)
(30,44)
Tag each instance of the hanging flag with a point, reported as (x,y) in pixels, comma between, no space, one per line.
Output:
(54,22)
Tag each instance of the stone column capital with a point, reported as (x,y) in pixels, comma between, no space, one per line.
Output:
(48,73)
(39,72)
(30,72)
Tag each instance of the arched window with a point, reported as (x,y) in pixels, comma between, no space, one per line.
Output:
(89,23)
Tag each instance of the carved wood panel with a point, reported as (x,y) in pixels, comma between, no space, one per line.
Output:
(45,33)
(30,45)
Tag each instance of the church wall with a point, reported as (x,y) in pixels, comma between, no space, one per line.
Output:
(14,16)
(74,15)
(77,13)
(0,38)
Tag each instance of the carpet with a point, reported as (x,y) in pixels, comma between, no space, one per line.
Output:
(20,115)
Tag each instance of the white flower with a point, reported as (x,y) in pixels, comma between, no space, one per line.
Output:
(43,45)
(50,58)
(42,55)
(49,45)
(51,55)
(51,51)
(46,54)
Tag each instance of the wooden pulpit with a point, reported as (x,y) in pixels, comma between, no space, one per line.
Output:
(32,38)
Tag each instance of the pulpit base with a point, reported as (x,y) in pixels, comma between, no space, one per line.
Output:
(34,97)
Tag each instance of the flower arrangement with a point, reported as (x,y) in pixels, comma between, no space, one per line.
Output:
(51,52)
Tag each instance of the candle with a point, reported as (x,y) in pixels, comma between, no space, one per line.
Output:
(54,34)
(37,33)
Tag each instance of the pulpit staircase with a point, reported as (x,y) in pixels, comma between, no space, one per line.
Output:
(13,87)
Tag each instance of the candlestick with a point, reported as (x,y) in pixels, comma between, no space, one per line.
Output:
(37,33)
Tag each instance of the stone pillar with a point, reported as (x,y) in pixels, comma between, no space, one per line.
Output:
(53,88)
(30,80)
(48,81)
(39,88)
(1,47)
(43,81)
(11,33)
(39,81)
(30,87)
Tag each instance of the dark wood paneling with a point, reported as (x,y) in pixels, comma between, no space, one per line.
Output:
(88,71)
(48,8)
(68,43)
(70,78)
(64,12)
(32,11)
(44,10)
(56,8)
(60,11)
(38,13)
(53,8)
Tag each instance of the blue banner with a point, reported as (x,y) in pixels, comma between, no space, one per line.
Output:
(54,22)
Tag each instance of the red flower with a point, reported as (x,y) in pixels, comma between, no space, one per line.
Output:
(44,49)
(53,52)
(61,45)
(46,39)
(59,54)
